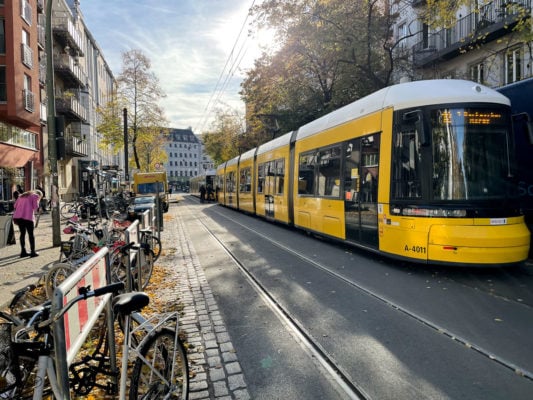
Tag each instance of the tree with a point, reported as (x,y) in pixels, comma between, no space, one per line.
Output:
(333,52)
(225,139)
(139,92)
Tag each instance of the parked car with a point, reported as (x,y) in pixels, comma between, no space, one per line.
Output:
(141,204)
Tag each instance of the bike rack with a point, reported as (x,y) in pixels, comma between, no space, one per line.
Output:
(70,331)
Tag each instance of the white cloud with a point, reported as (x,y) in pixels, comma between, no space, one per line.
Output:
(187,41)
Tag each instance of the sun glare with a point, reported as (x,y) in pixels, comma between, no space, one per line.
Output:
(241,44)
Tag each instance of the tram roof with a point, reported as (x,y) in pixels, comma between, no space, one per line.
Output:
(275,143)
(407,95)
(233,161)
(248,154)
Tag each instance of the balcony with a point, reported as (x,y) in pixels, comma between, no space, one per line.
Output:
(27,55)
(71,108)
(70,71)
(491,22)
(75,146)
(67,34)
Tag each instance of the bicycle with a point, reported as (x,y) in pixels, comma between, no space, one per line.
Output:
(84,207)
(74,252)
(160,370)
(154,243)
(134,271)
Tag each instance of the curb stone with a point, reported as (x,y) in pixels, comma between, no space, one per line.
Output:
(212,358)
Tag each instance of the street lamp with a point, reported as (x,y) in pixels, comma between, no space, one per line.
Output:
(51,126)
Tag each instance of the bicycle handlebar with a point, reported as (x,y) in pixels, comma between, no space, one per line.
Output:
(85,293)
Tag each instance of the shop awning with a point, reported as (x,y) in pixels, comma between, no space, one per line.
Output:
(15,157)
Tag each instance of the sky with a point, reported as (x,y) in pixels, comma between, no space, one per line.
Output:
(196,47)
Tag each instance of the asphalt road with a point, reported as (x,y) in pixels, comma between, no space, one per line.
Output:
(398,331)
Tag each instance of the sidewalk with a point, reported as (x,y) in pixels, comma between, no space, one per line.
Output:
(216,372)
(16,272)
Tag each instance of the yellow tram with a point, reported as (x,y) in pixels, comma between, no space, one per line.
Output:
(421,170)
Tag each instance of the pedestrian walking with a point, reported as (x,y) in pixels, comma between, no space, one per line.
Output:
(24,216)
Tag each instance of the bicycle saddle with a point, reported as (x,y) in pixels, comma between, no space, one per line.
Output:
(127,303)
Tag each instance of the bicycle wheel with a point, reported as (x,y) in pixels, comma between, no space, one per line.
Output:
(57,274)
(164,353)
(68,210)
(155,245)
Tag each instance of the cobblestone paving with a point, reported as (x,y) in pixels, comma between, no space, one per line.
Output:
(217,372)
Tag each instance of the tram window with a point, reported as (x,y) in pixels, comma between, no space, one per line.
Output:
(406,164)
(280,172)
(230,182)
(470,153)
(329,171)
(306,173)
(245,181)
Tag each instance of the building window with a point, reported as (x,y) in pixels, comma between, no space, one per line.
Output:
(25,11)
(513,66)
(28,96)
(3,84)
(425,36)
(27,52)
(477,73)
(2,36)
(402,36)
(17,136)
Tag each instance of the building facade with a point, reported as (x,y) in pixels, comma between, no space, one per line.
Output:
(82,82)
(21,84)
(488,43)
(186,158)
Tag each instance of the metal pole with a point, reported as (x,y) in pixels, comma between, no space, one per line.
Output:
(126,170)
(51,126)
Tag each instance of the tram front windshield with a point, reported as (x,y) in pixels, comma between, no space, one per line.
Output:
(471,153)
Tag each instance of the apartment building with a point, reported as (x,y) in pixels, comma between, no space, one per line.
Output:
(486,44)
(83,81)
(21,161)
(184,152)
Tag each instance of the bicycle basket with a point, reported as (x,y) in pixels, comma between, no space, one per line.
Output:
(7,360)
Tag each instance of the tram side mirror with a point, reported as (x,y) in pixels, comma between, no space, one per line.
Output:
(417,119)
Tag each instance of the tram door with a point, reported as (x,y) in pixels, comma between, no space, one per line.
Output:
(361,174)
(269,188)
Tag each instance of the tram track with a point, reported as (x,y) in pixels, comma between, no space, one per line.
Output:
(450,334)
(311,346)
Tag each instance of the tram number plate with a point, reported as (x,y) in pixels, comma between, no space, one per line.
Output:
(415,249)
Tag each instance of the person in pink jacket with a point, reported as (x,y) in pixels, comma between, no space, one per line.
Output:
(24,216)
